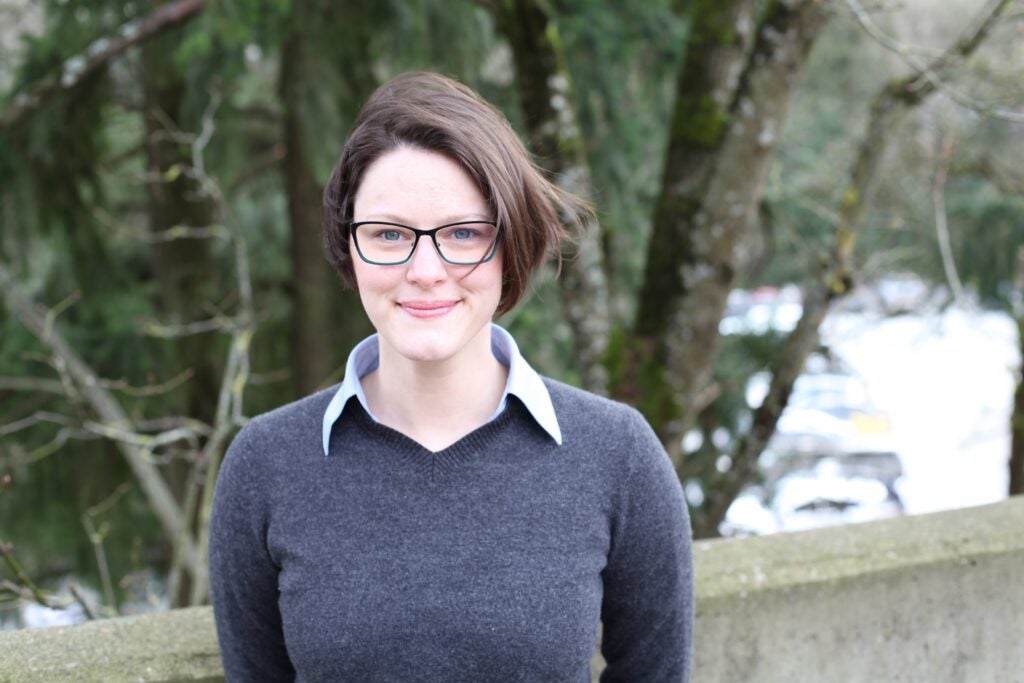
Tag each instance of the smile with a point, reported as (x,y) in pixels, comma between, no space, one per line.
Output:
(428,309)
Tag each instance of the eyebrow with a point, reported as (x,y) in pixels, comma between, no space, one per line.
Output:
(455,218)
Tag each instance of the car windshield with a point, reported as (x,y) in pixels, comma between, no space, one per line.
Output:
(829,391)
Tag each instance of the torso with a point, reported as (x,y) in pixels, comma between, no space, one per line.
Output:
(475,563)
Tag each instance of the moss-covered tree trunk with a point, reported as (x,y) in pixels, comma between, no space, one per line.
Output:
(545,91)
(731,105)
(719,38)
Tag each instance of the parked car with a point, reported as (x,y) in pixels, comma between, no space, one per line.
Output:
(832,459)
(810,498)
(832,415)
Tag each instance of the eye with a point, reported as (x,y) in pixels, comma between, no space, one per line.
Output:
(384,233)
(464,234)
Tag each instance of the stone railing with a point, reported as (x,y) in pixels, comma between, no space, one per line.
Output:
(932,598)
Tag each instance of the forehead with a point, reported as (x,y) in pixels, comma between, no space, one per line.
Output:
(418,186)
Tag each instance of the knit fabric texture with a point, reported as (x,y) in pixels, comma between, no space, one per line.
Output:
(494,559)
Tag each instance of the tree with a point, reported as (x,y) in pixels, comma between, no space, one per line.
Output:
(544,86)
(323,47)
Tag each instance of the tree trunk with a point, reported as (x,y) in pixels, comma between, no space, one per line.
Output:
(327,320)
(720,34)
(705,87)
(707,205)
(1017,423)
(185,269)
(313,353)
(1016,463)
(545,92)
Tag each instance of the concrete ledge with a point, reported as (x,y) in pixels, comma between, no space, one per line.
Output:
(930,598)
(180,645)
(935,598)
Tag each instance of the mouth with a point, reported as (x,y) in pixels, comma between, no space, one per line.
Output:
(428,309)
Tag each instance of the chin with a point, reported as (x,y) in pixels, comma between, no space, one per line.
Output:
(425,346)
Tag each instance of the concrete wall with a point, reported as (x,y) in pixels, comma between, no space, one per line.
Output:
(936,598)
(180,645)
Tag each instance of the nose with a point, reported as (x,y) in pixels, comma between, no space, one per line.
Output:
(425,267)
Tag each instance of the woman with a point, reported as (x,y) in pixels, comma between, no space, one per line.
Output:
(446,514)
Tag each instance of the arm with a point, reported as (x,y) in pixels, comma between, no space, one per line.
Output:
(243,577)
(648,601)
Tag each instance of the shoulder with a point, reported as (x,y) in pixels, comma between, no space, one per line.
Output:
(581,409)
(282,433)
(282,422)
(615,439)
(600,425)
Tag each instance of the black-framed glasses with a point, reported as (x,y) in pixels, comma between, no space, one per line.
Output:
(468,243)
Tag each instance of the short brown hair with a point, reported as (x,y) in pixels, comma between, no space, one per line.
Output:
(428,111)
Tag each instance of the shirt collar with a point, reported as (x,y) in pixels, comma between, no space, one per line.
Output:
(523,382)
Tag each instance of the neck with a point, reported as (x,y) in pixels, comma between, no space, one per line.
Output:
(437,402)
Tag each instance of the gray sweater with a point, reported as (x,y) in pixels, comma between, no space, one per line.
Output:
(492,560)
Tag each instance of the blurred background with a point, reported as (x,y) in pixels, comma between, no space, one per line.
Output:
(806,267)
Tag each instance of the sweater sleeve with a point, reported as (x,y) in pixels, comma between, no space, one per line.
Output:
(648,604)
(243,577)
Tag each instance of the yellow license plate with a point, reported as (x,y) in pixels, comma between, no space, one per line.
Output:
(871,424)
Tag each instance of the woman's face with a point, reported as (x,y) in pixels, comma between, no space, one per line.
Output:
(425,309)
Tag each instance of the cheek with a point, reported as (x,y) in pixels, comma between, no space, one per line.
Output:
(487,280)
(370,284)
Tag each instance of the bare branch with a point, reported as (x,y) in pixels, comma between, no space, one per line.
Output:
(217,323)
(95,56)
(271,377)
(259,165)
(941,222)
(176,232)
(104,404)
(145,442)
(48,386)
(169,422)
(19,573)
(34,419)
(60,307)
(23,593)
(930,73)
(148,389)
(80,599)
(96,537)
(57,443)
(180,232)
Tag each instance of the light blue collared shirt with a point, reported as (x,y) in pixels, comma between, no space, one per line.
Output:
(523,382)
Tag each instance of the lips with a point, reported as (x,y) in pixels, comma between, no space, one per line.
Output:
(428,309)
